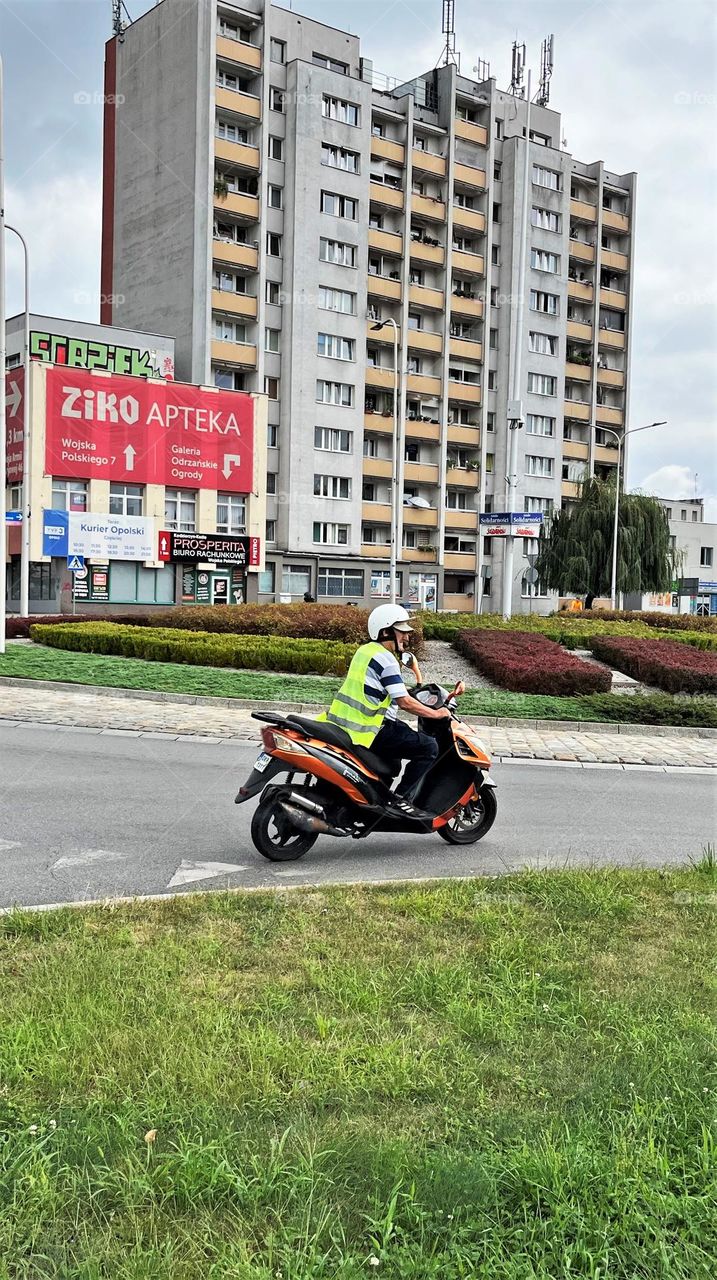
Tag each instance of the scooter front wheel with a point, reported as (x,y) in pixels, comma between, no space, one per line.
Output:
(473,821)
(274,835)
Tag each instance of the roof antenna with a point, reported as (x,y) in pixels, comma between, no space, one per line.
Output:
(546,71)
(119,25)
(448,27)
(517,69)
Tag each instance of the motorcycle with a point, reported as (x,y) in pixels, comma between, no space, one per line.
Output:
(333,787)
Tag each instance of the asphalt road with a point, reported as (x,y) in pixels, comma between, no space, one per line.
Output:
(86,817)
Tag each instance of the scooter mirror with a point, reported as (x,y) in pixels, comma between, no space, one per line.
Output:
(407,658)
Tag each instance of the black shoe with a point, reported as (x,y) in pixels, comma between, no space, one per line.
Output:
(404,809)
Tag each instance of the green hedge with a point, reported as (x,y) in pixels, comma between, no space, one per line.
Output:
(300,621)
(166,644)
(651,618)
(574,631)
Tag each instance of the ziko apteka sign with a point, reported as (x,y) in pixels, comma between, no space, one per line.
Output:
(128,429)
(211,548)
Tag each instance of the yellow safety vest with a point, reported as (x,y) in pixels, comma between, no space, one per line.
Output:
(351,709)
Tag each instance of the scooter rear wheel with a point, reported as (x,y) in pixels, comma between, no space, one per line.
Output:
(473,821)
(274,835)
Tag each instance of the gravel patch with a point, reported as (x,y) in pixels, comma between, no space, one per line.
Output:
(442,665)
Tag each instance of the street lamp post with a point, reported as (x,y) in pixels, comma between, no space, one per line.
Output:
(25,528)
(620,439)
(381,324)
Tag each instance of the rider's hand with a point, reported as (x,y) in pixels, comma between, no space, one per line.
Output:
(459,689)
(441,713)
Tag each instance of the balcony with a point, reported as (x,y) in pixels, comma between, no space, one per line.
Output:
(384,149)
(459,560)
(468,219)
(428,432)
(379,467)
(375,551)
(238,153)
(235,304)
(423,557)
(423,385)
(379,423)
(579,372)
(245,256)
(582,252)
(421,517)
(390,242)
(462,478)
(384,336)
(424,340)
(470,176)
(613,298)
(611,338)
(466,392)
(426,162)
(384,287)
(470,264)
(611,377)
(579,409)
(385,197)
(616,261)
(472,308)
(381,378)
(611,417)
(434,254)
(615,221)
(428,207)
(581,290)
(246,55)
(241,206)
(476,133)
(459,601)
(458,434)
(576,450)
(376,512)
(465,349)
(461,519)
(582,211)
(605,455)
(580,330)
(246,105)
(425,472)
(242,354)
(430,299)
(570,489)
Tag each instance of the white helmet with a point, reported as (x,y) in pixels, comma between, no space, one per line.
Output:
(388,615)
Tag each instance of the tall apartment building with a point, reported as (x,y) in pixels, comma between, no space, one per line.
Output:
(270,205)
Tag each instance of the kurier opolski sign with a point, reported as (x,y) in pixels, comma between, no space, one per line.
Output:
(143,432)
(100,537)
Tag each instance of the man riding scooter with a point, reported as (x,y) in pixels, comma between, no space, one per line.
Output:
(366,706)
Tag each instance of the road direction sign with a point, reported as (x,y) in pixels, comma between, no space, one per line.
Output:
(76,564)
(13,517)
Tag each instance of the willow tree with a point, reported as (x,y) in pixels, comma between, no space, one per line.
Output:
(575,551)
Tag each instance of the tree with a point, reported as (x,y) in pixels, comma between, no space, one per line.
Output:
(575,552)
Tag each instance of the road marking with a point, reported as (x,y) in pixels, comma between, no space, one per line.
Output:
(9,844)
(88,858)
(189,871)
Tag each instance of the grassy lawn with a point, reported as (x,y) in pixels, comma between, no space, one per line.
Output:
(510,1079)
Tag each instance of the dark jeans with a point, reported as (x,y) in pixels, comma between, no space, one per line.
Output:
(395,742)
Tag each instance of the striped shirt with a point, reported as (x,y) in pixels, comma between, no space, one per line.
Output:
(384,677)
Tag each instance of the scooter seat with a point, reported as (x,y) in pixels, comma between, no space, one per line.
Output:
(336,737)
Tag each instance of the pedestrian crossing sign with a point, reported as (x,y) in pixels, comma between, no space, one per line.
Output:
(76,564)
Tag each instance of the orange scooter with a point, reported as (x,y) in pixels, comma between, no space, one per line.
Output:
(335,788)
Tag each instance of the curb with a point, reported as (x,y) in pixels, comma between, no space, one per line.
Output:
(254,704)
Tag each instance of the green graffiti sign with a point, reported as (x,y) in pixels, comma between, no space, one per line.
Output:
(89,353)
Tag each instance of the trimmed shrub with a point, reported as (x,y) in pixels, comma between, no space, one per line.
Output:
(574,631)
(19,628)
(165,644)
(528,663)
(677,668)
(663,621)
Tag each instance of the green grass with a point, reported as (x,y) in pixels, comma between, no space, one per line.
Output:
(510,1079)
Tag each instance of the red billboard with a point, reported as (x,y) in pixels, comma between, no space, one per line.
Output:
(14,393)
(121,428)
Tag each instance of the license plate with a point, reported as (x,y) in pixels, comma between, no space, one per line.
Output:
(261,762)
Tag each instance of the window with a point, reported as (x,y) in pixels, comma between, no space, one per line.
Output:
(378,130)
(232,132)
(276,148)
(344,255)
(546,302)
(542,384)
(413,364)
(487,546)
(490,420)
(496,211)
(339,158)
(273,244)
(489,463)
(180,510)
(694,517)
(499,129)
(462,201)
(274,197)
(232,31)
(533,590)
(295,579)
(668,512)
(542,139)
(337,300)
(531,547)
(271,482)
(493,339)
(271,388)
(228,282)
(494,295)
(545,219)
(336,347)
(338,393)
(536,465)
(131,583)
(272,436)
(339,109)
(231,513)
(339,206)
(683,515)
(415,320)
(273,292)
(228,379)
(227,330)
(706,557)
(277,99)
(539,504)
(466,546)
(332,440)
(540,260)
(458,374)
(277,50)
(332,486)
(492,379)
(542,344)
(267,577)
(67,495)
(497,170)
(456,500)
(340,582)
(271,340)
(546,178)
(330,534)
(331,64)
(538,424)
(126,499)
(270,529)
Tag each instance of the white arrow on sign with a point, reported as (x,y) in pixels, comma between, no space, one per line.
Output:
(15,399)
(129,454)
(163,546)
(230,459)
(189,871)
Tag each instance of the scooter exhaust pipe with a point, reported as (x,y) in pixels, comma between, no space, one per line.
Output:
(310,822)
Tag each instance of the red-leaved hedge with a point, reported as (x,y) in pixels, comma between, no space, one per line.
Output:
(651,618)
(529,663)
(677,668)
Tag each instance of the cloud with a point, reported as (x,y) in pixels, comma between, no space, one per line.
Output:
(61,220)
(678,482)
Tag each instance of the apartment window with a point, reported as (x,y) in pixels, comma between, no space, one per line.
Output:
(180,510)
(493,339)
(276,147)
(232,31)
(274,197)
(668,512)
(542,384)
(295,579)
(490,420)
(231,132)
(533,590)
(331,64)
(340,582)
(531,547)
(456,500)
(545,219)
(494,295)
(332,486)
(273,244)
(492,380)
(339,206)
(415,320)
(545,302)
(126,499)
(67,495)
(466,546)
(272,436)
(277,99)
(277,50)
(329,534)
(339,109)
(226,330)
(413,364)
(231,513)
(271,340)
(536,465)
(271,388)
(489,463)
(228,282)
(499,129)
(343,255)
(497,170)
(546,178)
(378,130)
(332,440)
(683,515)
(271,482)
(706,557)
(540,260)
(539,424)
(694,517)
(337,300)
(228,379)
(273,292)
(267,577)
(335,347)
(545,505)
(496,211)
(339,158)
(459,374)
(270,531)
(542,344)
(495,255)
(337,393)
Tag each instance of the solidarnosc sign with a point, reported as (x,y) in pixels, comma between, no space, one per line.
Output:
(126,429)
(518,524)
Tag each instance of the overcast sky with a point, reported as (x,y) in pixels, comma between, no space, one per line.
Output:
(636,85)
